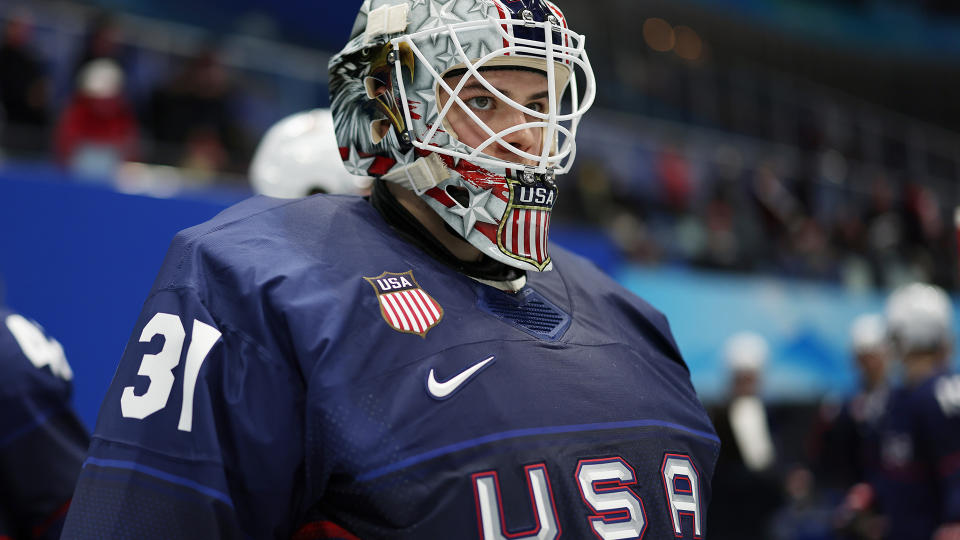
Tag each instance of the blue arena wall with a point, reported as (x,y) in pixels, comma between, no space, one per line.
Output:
(81,258)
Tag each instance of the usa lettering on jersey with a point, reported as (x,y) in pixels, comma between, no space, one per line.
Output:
(616,512)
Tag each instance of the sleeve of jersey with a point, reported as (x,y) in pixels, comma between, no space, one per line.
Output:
(199,436)
(42,446)
(940,421)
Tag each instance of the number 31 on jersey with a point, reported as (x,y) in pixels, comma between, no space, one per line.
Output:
(159,367)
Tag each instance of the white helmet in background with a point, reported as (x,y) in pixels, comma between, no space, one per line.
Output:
(746,352)
(868,333)
(920,318)
(299,156)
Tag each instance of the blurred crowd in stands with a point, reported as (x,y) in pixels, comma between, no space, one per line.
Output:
(759,186)
(188,120)
(717,212)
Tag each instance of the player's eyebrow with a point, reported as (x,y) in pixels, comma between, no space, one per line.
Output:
(477,85)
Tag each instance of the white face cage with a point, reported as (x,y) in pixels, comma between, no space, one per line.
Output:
(546,55)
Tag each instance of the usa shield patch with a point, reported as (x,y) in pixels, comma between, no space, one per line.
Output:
(523,230)
(404,305)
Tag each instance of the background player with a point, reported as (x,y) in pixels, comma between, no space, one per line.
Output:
(746,474)
(42,443)
(298,156)
(327,367)
(845,441)
(918,483)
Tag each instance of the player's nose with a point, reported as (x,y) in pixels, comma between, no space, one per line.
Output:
(526,139)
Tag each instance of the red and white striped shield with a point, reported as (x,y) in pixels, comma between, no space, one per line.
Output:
(404,305)
(524,233)
(525,227)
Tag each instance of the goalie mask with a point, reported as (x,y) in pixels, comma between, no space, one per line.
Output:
(397,99)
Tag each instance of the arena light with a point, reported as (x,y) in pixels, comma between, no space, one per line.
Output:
(689,46)
(659,35)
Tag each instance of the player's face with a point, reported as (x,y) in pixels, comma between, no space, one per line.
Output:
(525,87)
(873,365)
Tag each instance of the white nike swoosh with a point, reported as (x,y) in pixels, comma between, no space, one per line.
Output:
(443,390)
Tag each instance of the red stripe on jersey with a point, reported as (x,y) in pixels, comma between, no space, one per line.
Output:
(408,311)
(404,325)
(949,464)
(388,313)
(431,303)
(323,530)
(415,308)
(418,301)
(55,517)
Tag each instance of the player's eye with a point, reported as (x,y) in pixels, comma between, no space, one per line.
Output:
(481,103)
(537,106)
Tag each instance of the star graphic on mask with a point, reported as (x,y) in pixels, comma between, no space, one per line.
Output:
(451,56)
(429,104)
(482,7)
(440,138)
(358,165)
(475,211)
(418,3)
(406,159)
(439,17)
(484,50)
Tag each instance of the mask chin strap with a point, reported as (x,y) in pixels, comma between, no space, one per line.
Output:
(420,176)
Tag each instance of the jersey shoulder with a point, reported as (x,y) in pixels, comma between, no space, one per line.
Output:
(253,264)
(261,240)
(939,398)
(261,229)
(597,295)
(30,360)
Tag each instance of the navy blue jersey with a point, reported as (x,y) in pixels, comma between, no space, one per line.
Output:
(846,442)
(42,443)
(301,371)
(919,478)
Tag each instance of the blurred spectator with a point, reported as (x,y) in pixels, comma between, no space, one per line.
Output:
(101,42)
(844,446)
(725,241)
(885,232)
(805,516)
(745,476)
(192,120)
(23,89)
(843,451)
(675,179)
(98,129)
(780,211)
(926,234)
